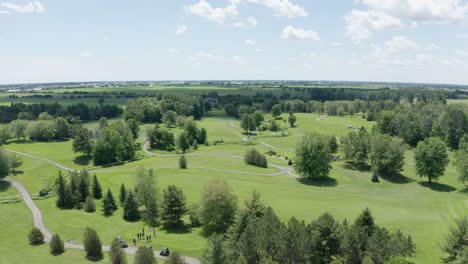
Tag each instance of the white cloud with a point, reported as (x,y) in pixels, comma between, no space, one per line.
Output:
(86,54)
(421,10)
(361,23)
(181,30)
(174,51)
(462,52)
(30,7)
(250,42)
(282,8)
(395,46)
(237,59)
(336,44)
(247,22)
(215,14)
(291,32)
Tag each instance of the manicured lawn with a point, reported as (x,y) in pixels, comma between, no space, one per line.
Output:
(405,202)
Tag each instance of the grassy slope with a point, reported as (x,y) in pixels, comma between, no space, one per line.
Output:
(423,212)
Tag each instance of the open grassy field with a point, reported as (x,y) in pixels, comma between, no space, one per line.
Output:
(406,202)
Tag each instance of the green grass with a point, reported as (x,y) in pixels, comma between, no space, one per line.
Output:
(405,203)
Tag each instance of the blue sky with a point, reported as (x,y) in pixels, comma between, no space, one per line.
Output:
(356,40)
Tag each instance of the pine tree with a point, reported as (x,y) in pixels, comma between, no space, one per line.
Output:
(35,236)
(89,205)
(375,177)
(145,255)
(84,185)
(152,212)
(122,194)
(92,244)
(130,208)
(195,145)
(56,245)
(216,252)
(173,206)
(108,204)
(116,253)
(63,193)
(182,162)
(97,190)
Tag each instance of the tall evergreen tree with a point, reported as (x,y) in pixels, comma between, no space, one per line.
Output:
(35,236)
(122,194)
(57,246)
(108,204)
(92,244)
(130,208)
(215,253)
(97,190)
(63,193)
(173,206)
(116,253)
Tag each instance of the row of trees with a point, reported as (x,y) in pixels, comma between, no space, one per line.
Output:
(45,129)
(257,235)
(255,158)
(191,136)
(154,110)
(76,113)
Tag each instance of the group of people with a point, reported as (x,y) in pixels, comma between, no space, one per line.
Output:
(143,236)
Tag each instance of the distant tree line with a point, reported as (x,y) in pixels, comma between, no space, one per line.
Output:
(73,113)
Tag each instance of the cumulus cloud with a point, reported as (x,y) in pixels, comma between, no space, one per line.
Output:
(29,7)
(421,10)
(360,24)
(247,22)
(215,14)
(395,46)
(181,30)
(291,32)
(250,42)
(282,8)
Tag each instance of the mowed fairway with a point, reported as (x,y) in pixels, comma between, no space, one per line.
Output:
(404,203)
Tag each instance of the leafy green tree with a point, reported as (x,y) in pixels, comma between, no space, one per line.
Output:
(81,142)
(258,118)
(62,128)
(191,130)
(116,253)
(15,162)
(169,118)
(152,211)
(194,216)
(4,164)
(145,255)
(183,142)
(195,145)
(122,194)
(175,258)
(174,206)
(215,253)
(313,156)
(276,110)
(291,119)
(218,207)
(89,205)
(108,204)
(130,208)
(160,138)
(182,162)
(333,145)
(203,136)
(57,246)
(247,123)
(356,146)
(387,154)
(461,159)
(4,134)
(456,240)
(431,158)
(134,126)
(92,244)
(18,128)
(328,243)
(148,194)
(96,188)
(35,236)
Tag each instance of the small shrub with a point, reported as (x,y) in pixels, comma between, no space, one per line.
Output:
(375,177)
(89,205)
(255,158)
(194,217)
(182,162)
(35,236)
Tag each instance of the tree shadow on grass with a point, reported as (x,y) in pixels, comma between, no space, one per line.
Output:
(351,166)
(95,258)
(464,190)
(439,187)
(4,186)
(397,178)
(179,229)
(83,160)
(322,182)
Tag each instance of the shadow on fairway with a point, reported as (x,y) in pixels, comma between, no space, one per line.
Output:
(180,229)
(83,160)
(4,186)
(350,166)
(397,178)
(439,187)
(464,190)
(323,182)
